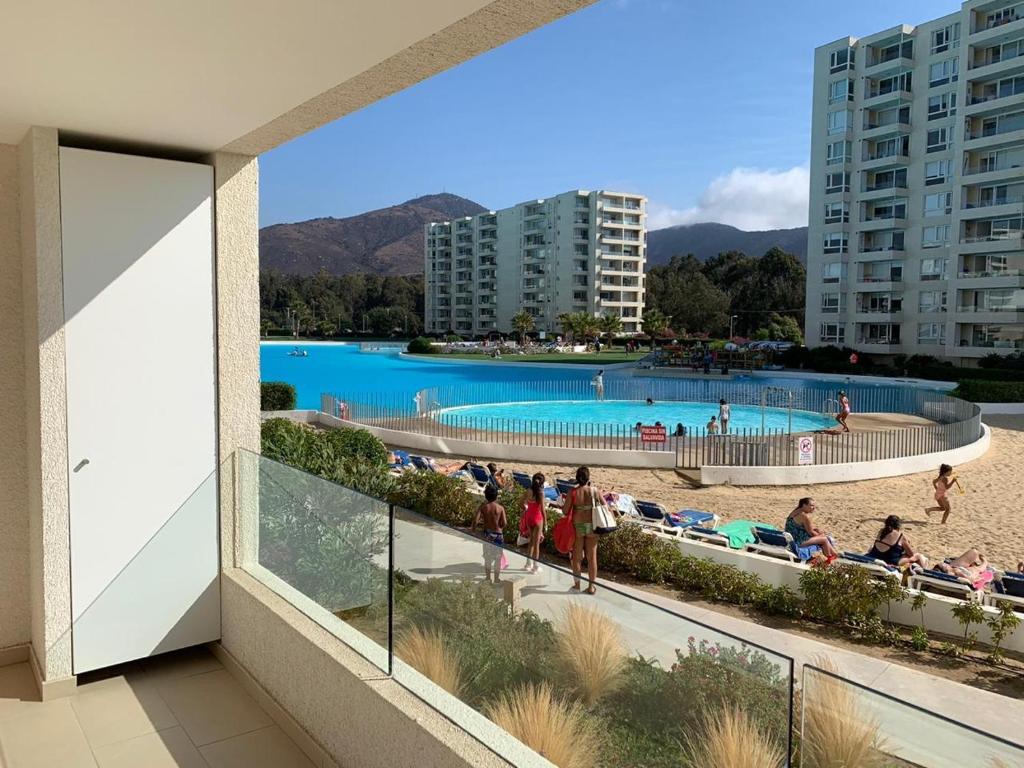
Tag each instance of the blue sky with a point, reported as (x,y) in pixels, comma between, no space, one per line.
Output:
(702,106)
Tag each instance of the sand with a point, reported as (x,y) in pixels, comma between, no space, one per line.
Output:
(989,516)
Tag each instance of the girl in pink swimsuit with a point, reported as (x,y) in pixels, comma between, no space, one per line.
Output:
(942,484)
(531,525)
(844,410)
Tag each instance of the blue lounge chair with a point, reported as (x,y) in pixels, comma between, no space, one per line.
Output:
(652,511)
(402,460)
(524,480)
(768,541)
(688,518)
(941,583)
(481,475)
(422,464)
(564,486)
(1009,588)
(707,535)
(873,564)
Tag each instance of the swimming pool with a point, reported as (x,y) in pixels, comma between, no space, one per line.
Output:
(626,413)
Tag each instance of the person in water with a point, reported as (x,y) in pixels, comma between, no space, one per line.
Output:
(942,484)
(893,548)
(712,427)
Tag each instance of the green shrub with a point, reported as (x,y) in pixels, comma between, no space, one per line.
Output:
(1014,362)
(632,551)
(277,396)
(437,496)
(990,391)
(356,444)
(322,452)
(421,346)
(847,594)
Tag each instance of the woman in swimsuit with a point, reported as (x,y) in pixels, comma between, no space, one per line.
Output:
(970,565)
(580,508)
(801,527)
(942,484)
(893,548)
(844,410)
(531,524)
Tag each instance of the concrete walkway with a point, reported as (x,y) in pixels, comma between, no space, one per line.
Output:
(655,626)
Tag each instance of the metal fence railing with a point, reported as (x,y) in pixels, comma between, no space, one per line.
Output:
(951,422)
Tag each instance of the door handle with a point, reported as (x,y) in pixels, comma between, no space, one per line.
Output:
(80,464)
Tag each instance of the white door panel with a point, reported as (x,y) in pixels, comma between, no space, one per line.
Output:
(139,326)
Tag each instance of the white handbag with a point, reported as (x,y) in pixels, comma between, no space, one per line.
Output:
(603,519)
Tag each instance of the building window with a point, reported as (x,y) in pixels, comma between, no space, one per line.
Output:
(938,204)
(840,60)
(832,333)
(936,172)
(837,213)
(839,152)
(837,182)
(946,38)
(836,242)
(840,120)
(942,72)
(831,303)
(941,105)
(833,271)
(931,301)
(935,237)
(931,333)
(840,90)
(933,269)
(938,140)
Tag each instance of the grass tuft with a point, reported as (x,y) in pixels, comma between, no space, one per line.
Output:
(838,730)
(562,732)
(592,654)
(426,651)
(730,739)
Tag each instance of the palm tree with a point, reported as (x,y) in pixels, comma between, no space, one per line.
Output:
(570,324)
(522,323)
(610,325)
(655,323)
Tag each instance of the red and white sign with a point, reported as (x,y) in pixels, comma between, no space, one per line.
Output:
(653,434)
(805,450)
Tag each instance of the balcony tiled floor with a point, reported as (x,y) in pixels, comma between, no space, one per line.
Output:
(181,710)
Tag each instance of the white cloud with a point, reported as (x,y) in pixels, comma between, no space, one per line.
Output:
(747,198)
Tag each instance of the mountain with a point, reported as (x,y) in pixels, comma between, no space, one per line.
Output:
(707,240)
(388,241)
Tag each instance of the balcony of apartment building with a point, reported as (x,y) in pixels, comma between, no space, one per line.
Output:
(881,242)
(991,234)
(878,306)
(620,203)
(992,270)
(883,275)
(992,131)
(534,298)
(885,121)
(618,235)
(884,153)
(881,338)
(533,283)
(619,281)
(896,53)
(992,200)
(993,22)
(883,183)
(487,261)
(884,214)
(487,235)
(533,240)
(988,95)
(992,305)
(884,90)
(614,266)
(978,339)
(997,56)
(617,219)
(994,164)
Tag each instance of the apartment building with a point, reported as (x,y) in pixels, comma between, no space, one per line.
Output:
(917,188)
(580,251)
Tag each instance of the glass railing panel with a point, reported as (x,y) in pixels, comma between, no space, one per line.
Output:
(321,546)
(847,724)
(624,682)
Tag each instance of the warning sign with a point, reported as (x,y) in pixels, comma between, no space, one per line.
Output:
(805,450)
(653,434)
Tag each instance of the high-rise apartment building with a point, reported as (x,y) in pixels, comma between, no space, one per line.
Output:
(579,251)
(917,187)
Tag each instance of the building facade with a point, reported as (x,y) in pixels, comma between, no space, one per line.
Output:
(917,188)
(580,251)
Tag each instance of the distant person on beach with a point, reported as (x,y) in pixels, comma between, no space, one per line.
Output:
(844,410)
(723,415)
(598,382)
(491,515)
(942,484)
(713,426)
(893,548)
(579,506)
(638,425)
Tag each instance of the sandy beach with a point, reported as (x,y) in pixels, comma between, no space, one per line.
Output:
(990,515)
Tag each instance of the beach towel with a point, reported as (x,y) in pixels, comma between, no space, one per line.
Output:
(738,532)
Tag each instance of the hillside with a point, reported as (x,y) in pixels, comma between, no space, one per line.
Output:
(388,241)
(707,240)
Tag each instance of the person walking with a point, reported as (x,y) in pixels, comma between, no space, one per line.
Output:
(723,416)
(598,382)
(580,509)
(844,410)
(942,484)
(491,515)
(531,524)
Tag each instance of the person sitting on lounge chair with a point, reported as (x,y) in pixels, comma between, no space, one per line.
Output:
(800,525)
(893,548)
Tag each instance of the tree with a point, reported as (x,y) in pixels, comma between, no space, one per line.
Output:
(655,323)
(609,325)
(522,323)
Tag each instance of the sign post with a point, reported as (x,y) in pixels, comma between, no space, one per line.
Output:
(805,450)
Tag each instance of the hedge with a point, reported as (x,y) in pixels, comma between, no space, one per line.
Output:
(990,391)
(421,346)
(277,396)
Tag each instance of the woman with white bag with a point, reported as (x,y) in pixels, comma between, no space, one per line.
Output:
(590,517)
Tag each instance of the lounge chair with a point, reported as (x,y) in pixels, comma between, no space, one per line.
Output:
(564,486)
(481,475)
(1009,588)
(688,518)
(525,481)
(402,460)
(422,464)
(941,583)
(773,544)
(707,535)
(877,567)
(652,511)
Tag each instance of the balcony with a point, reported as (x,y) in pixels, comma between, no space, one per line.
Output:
(985,29)
(878,98)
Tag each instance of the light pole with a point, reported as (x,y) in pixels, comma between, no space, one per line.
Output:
(731,319)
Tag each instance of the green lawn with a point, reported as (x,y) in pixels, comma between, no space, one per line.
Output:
(581,358)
